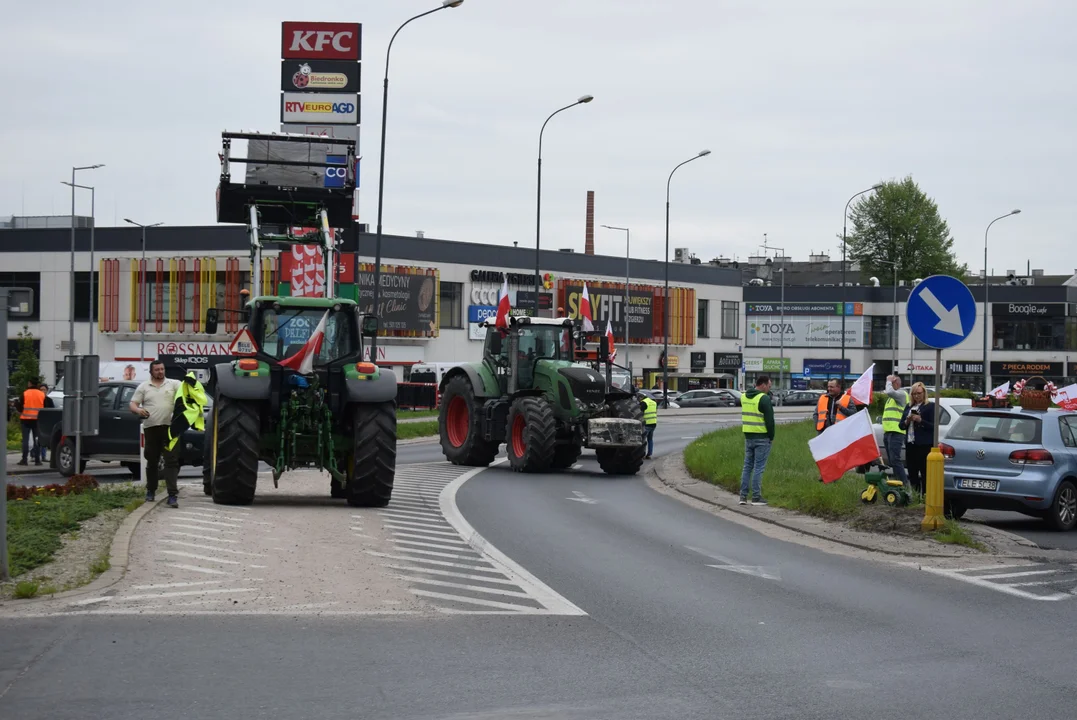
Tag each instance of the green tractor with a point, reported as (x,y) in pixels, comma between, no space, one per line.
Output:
(530,393)
(340,417)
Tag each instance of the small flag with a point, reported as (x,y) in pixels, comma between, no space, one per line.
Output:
(861,389)
(1001,391)
(844,446)
(1066,398)
(503,307)
(609,337)
(303,361)
(585,311)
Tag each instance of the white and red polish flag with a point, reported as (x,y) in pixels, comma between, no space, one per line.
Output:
(1001,391)
(303,361)
(844,446)
(609,337)
(861,389)
(503,307)
(585,311)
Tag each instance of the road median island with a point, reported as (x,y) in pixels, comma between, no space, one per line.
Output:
(418,429)
(710,470)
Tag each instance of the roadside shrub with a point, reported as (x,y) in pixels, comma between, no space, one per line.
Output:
(75,485)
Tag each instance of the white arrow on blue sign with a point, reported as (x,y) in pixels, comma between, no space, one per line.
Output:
(807,372)
(941,311)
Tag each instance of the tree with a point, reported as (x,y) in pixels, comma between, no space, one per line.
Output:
(26,363)
(899,223)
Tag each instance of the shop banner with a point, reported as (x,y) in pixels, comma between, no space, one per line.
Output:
(408,299)
(607,303)
(1026,369)
(766,331)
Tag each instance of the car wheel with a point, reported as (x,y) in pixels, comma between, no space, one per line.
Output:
(1062,515)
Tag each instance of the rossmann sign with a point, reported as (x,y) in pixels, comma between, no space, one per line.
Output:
(321,41)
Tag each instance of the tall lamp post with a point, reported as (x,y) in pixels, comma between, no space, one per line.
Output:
(145,291)
(987,275)
(665,299)
(93,225)
(894,342)
(628,249)
(781,322)
(583,100)
(71,323)
(844,223)
(381,174)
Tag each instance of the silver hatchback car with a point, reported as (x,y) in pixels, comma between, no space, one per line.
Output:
(1013,459)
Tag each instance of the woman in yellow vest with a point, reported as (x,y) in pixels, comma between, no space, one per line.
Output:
(757,421)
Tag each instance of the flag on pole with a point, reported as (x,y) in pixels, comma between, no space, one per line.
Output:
(609,336)
(585,311)
(303,361)
(1001,391)
(503,307)
(844,446)
(861,389)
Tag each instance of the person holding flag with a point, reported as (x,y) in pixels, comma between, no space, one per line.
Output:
(833,408)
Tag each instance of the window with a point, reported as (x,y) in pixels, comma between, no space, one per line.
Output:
(451,309)
(125,395)
(83,298)
(1043,334)
(283,334)
(730,319)
(31,280)
(880,336)
(996,428)
(1068,427)
(703,321)
(107,395)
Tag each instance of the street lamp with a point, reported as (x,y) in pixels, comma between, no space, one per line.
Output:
(987,369)
(665,300)
(844,222)
(894,329)
(781,323)
(381,176)
(93,226)
(145,291)
(583,99)
(71,323)
(628,245)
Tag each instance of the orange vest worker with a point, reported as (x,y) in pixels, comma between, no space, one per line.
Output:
(842,412)
(32,401)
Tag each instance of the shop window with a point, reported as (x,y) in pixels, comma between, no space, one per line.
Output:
(30,280)
(83,299)
(703,318)
(451,309)
(1043,334)
(730,319)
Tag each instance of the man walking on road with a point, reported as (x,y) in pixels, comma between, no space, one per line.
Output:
(32,401)
(893,434)
(650,421)
(153,401)
(757,420)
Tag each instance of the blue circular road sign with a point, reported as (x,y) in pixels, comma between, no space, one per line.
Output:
(941,311)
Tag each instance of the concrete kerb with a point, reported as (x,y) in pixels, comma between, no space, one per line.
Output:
(671,472)
(118,557)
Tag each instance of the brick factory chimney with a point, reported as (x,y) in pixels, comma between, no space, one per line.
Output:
(589,232)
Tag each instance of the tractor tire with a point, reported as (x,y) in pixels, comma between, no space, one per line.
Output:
(532,435)
(460,426)
(370,482)
(234,452)
(565,456)
(208,441)
(628,460)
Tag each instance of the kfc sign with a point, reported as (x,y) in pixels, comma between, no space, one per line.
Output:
(320,41)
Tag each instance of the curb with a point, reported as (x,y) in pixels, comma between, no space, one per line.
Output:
(419,440)
(118,557)
(777,520)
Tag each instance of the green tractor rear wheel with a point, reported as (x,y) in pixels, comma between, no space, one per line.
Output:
(628,460)
(370,480)
(531,435)
(234,452)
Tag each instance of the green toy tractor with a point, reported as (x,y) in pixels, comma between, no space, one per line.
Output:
(339,417)
(530,393)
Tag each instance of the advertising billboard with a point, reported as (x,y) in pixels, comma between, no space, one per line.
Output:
(832,308)
(607,302)
(321,41)
(319,76)
(323,109)
(814,331)
(408,301)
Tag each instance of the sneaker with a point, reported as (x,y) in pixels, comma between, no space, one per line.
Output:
(759,501)
(149,497)
(172,502)
(743,501)
(21,462)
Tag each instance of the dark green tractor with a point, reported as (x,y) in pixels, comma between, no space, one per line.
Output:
(530,393)
(339,415)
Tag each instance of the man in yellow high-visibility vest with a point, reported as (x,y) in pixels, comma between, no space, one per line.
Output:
(893,434)
(650,420)
(757,422)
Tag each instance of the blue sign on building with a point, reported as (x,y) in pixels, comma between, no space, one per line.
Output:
(478,313)
(941,311)
(835,366)
(335,176)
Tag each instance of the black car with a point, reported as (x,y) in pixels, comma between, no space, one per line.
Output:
(118,434)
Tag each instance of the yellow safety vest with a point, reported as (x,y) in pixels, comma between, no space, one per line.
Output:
(188,411)
(650,411)
(892,412)
(751,418)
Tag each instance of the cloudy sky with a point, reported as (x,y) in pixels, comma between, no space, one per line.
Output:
(802,104)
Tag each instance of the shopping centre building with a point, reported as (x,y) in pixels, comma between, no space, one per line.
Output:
(727,323)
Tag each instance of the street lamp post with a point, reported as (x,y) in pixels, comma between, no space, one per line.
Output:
(844,223)
(71,323)
(665,299)
(145,291)
(987,275)
(381,176)
(894,342)
(628,249)
(583,99)
(93,224)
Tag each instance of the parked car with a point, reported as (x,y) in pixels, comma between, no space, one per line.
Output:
(117,438)
(950,409)
(801,398)
(656,395)
(1013,459)
(707,398)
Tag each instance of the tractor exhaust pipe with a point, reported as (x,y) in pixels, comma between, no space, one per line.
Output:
(514,358)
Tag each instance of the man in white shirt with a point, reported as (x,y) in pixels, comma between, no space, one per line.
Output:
(153,401)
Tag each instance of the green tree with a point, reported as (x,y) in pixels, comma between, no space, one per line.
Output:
(900,223)
(26,363)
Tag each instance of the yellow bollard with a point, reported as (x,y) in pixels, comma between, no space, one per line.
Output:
(933,500)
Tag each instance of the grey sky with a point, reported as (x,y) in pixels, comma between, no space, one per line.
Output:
(802,104)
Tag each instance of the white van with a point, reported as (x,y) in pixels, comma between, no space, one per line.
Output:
(431,372)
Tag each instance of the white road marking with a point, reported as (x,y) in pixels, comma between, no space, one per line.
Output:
(462,586)
(580,497)
(733,566)
(161,586)
(1019,574)
(179,593)
(181,543)
(396,525)
(260,567)
(985,581)
(433,546)
(203,529)
(577,466)
(414,536)
(195,568)
(431,553)
(211,538)
(410,514)
(180,553)
(211,522)
(449,573)
(521,609)
(440,563)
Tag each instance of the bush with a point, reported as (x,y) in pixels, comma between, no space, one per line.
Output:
(75,485)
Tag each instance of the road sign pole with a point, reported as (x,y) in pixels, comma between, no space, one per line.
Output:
(4,572)
(934,500)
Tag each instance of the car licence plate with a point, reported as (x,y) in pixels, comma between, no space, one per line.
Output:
(977,484)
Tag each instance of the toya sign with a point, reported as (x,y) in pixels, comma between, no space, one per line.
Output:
(607,302)
(408,299)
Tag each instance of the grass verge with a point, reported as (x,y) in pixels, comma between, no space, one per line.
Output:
(953,534)
(408,414)
(35,525)
(790,480)
(426,428)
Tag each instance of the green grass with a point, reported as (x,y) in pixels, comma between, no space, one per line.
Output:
(416,413)
(426,428)
(34,527)
(26,589)
(953,534)
(791,479)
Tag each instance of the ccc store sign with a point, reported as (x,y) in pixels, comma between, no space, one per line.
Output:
(335,177)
